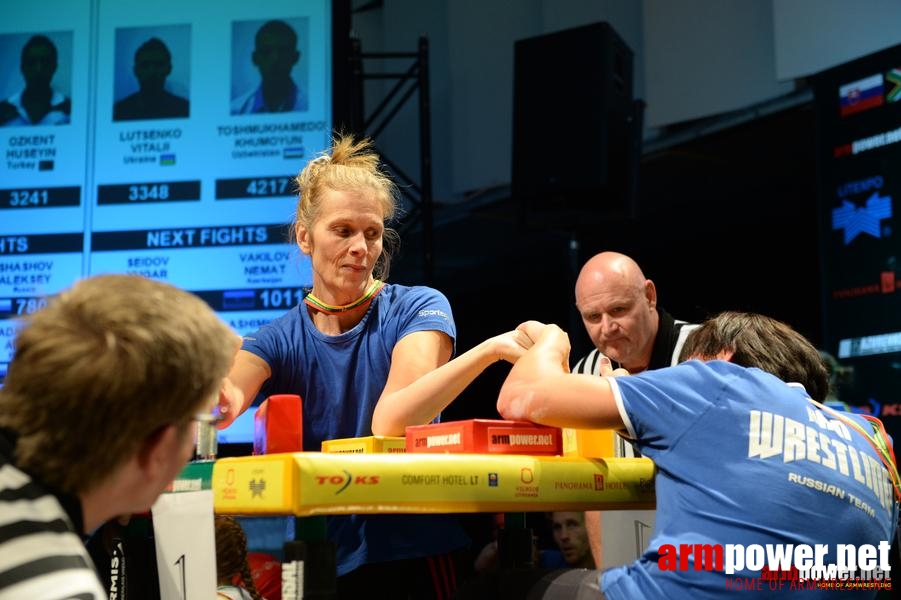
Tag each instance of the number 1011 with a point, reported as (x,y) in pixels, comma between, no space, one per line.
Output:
(281,298)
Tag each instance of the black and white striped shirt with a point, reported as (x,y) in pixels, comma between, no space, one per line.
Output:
(42,557)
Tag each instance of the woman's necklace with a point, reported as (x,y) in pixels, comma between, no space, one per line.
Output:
(313,302)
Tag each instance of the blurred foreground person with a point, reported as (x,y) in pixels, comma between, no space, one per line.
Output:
(233,574)
(97,416)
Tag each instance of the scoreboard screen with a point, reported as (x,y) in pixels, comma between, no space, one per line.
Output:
(162,139)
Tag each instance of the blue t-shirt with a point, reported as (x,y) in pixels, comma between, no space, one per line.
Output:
(339,379)
(744,458)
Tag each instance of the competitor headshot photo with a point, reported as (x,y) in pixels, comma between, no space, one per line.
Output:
(152,73)
(35,79)
(269,74)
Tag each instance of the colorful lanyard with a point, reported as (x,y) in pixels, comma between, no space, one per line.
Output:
(374,288)
(878,440)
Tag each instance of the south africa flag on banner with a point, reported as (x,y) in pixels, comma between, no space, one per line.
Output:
(893,85)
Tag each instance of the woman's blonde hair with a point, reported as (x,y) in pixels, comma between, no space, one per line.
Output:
(349,165)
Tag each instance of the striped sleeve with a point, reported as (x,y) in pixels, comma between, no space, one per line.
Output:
(40,555)
(590,364)
(684,330)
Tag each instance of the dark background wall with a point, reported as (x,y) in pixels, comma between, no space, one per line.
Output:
(725,209)
(724,221)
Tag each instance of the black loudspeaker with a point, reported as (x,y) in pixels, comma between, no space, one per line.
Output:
(574,127)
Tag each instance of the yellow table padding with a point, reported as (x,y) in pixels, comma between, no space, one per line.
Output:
(315,483)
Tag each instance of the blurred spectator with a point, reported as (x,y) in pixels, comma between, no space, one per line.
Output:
(233,573)
(572,539)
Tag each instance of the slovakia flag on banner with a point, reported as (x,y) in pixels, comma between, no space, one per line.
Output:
(860,95)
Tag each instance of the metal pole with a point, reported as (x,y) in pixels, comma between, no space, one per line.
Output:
(425,151)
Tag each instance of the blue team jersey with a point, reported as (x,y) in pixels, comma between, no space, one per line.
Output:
(339,379)
(744,458)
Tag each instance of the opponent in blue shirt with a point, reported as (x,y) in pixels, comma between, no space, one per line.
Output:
(746,455)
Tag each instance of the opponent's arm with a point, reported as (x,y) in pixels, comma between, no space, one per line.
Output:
(540,389)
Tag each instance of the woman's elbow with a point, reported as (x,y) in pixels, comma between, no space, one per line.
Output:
(382,425)
(515,403)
